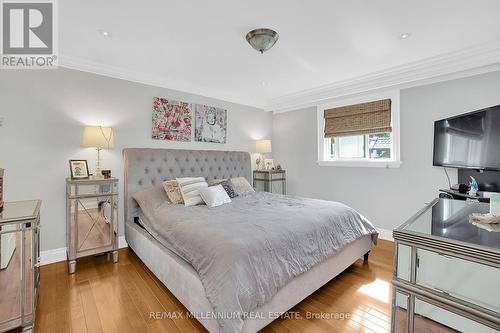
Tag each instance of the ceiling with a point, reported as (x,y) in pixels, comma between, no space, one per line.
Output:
(200,46)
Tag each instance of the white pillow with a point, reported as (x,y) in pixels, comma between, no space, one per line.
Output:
(190,190)
(214,196)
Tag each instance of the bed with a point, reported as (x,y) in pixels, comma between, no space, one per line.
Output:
(177,265)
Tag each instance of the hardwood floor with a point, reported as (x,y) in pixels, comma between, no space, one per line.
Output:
(106,297)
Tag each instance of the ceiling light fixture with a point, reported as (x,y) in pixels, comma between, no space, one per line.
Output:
(262,39)
(105,33)
(405,35)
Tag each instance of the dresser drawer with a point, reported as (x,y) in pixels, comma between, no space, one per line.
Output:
(466,280)
(431,318)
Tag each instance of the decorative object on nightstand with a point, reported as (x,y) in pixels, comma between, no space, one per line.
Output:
(273,181)
(262,147)
(19,225)
(269,164)
(79,169)
(92,224)
(98,137)
(106,174)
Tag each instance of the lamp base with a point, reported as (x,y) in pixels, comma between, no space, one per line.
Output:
(96,177)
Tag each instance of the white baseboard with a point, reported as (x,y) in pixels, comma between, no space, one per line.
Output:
(122,242)
(385,234)
(57,255)
(52,256)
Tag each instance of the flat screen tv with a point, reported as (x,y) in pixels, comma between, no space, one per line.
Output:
(471,140)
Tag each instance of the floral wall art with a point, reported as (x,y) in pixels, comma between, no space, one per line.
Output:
(171,120)
(211,124)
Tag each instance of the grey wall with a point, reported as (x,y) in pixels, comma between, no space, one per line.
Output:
(385,196)
(44,113)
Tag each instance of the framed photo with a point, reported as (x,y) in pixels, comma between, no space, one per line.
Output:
(269,163)
(79,169)
(211,124)
(171,120)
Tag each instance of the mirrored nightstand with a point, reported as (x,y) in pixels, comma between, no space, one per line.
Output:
(273,181)
(92,224)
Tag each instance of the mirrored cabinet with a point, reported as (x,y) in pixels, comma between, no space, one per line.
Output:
(92,223)
(20,261)
(446,271)
(273,181)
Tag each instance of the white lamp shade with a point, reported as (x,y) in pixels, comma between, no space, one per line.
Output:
(98,137)
(263,146)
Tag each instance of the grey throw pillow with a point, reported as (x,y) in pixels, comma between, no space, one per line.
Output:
(150,199)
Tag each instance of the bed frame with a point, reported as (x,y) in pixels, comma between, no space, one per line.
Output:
(145,167)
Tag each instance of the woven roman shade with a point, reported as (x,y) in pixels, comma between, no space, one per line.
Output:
(365,118)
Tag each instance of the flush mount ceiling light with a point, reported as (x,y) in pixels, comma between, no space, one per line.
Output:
(104,33)
(262,39)
(405,35)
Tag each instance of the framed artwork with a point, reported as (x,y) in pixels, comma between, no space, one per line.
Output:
(269,163)
(171,120)
(211,124)
(79,169)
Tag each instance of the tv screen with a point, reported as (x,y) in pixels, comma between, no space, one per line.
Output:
(469,141)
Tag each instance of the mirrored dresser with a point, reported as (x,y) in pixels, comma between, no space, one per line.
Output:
(20,259)
(446,271)
(92,223)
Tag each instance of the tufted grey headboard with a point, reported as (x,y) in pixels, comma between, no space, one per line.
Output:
(146,167)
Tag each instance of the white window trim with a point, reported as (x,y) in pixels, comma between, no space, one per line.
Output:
(323,154)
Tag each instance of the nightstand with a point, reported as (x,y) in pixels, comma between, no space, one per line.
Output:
(92,223)
(273,181)
(20,256)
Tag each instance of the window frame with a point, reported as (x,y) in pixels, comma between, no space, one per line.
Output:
(324,157)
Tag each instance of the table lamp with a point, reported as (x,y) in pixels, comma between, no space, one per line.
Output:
(98,137)
(262,147)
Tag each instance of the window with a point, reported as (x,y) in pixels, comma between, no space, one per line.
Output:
(373,150)
(370,146)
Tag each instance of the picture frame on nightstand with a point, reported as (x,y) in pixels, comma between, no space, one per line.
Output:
(79,169)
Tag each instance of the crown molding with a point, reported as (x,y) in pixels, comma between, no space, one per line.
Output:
(463,63)
(83,65)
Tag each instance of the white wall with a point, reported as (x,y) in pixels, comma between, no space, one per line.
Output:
(44,113)
(385,196)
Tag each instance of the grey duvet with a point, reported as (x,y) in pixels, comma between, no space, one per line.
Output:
(245,251)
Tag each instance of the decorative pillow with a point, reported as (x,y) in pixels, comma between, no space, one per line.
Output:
(150,199)
(227,185)
(215,181)
(241,185)
(173,191)
(190,190)
(214,196)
